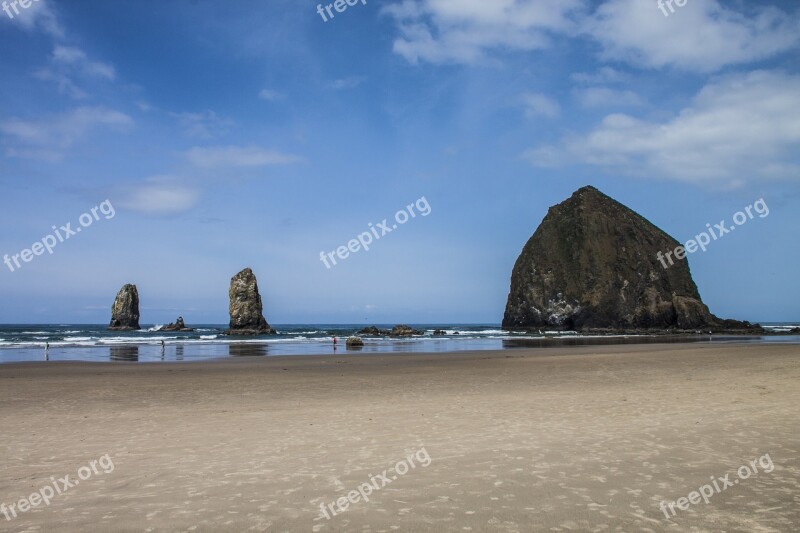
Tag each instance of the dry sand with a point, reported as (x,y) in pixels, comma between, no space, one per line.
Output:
(562,439)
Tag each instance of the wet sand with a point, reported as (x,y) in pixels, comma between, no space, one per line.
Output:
(586,438)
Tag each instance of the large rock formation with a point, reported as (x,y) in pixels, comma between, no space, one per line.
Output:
(592,264)
(246,309)
(125,311)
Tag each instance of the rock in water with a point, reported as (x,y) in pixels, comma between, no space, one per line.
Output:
(125,311)
(592,264)
(354,342)
(178,325)
(402,330)
(247,311)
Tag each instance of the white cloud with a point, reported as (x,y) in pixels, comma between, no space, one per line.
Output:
(159,195)
(540,105)
(605,97)
(739,128)
(271,95)
(49,137)
(466,31)
(702,36)
(238,156)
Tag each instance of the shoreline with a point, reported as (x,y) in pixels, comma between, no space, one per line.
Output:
(144,350)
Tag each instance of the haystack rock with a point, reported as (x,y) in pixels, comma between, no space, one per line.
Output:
(125,311)
(246,309)
(592,264)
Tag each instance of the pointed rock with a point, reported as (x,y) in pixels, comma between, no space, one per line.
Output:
(246,309)
(592,264)
(125,311)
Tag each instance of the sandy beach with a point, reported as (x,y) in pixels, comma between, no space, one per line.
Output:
(588,438)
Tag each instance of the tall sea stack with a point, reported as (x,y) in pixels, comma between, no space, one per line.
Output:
(247,311)
(125,311)
(592,264)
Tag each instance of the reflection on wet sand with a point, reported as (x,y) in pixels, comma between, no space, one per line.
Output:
(247,350)
(552,342)
(128,354)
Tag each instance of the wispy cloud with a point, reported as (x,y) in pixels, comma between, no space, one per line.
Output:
(159,195)
(49,137)
(603,76)
(446,31)
(64,83)
(271,95)
(738,129)
(68,62)
(204,125)
(76,58)
(238,156)
(347,83)
(537,105)
(605,97)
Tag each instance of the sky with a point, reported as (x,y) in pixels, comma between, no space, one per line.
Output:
(260,134)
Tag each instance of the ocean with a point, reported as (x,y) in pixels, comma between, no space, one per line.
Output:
(82,342)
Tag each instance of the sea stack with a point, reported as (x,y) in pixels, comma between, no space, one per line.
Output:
(592,265)
(246,309)
(125,311)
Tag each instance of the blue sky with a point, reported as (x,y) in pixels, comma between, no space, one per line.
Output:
(256,134)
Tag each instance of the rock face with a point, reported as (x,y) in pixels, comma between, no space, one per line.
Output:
(246,309)
(397,331)
(404,331)
(179,325)
(354,342)
(592,264)
(125,311)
